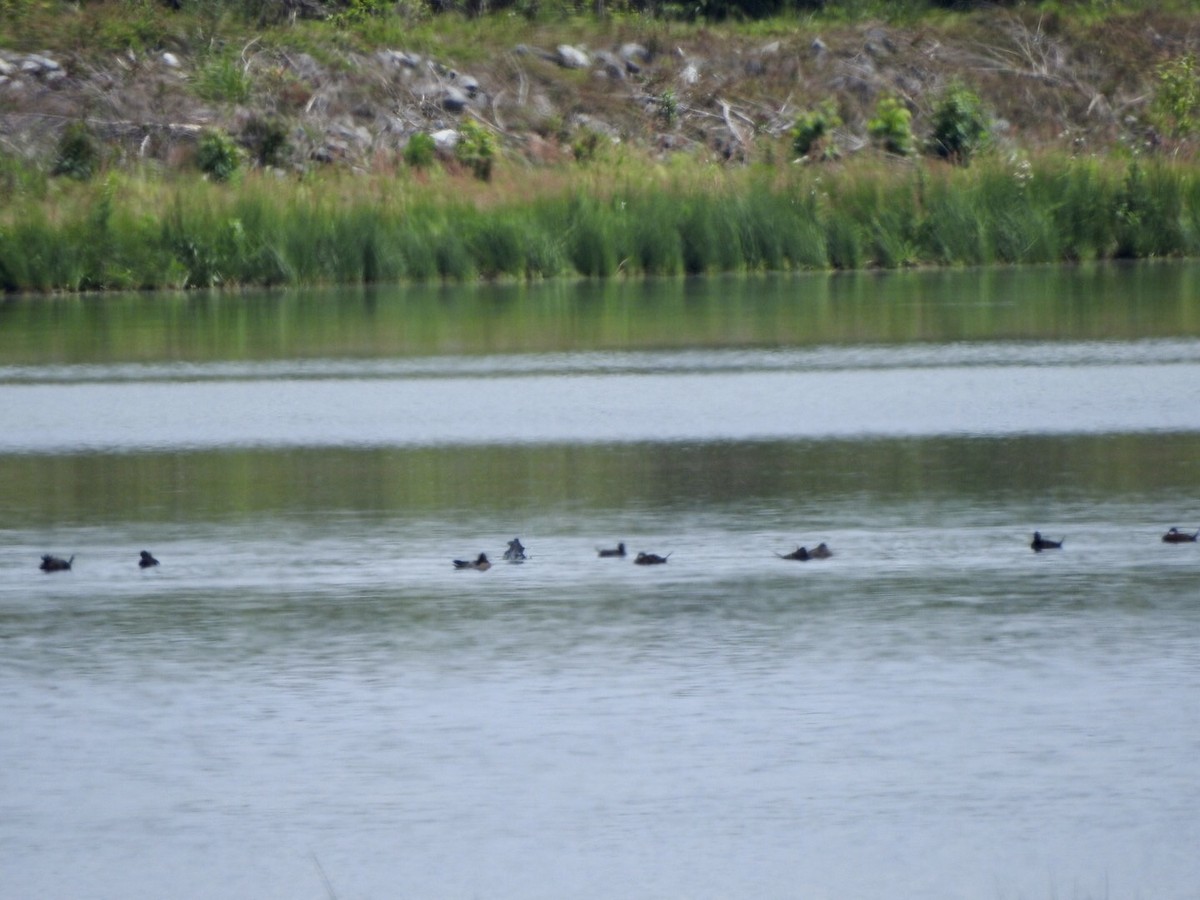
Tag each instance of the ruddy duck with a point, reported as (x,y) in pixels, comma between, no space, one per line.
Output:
(55,563)
(481,564)
(1040,543)
(821,551)
(1175,536)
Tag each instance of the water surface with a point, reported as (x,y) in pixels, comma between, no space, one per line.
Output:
(305,699)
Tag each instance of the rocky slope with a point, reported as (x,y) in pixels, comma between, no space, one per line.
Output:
(720,92)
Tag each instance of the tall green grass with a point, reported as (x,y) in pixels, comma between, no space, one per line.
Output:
(129,232)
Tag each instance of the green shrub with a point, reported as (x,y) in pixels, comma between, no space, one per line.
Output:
(420,150)
(78,154)
(1176,106)
(960,125)
(812,133)
(476,149)
(217,155)
(267,140)
(892,127)
(668,108)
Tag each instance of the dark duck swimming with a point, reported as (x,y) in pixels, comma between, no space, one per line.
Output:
(480,563)
(52,563)
(1040,543)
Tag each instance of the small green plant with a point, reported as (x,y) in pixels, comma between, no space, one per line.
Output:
(668,107)
(78,154)
(267,140)
(960,125)
(812,133)
(586,145)
(222,80)
(476,149)
(891,128)
(1176,106)
(358,11)
(420,151)
(217,155)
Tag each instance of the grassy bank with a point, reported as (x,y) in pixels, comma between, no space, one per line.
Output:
(130,232)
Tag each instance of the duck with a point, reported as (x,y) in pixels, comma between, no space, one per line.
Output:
(515,551)
(147,560)
(52,563)
(650,559)
(803,554)
(619,550)
(1175,536)
(800,553)
(1040,543)
(480,564)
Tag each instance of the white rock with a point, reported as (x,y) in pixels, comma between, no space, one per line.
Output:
(572,57)
(446,139)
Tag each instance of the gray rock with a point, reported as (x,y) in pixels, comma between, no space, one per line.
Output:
(634,53)
(350,134)
(612,65)
(41,63)
(572,57)
(880,41)
(468,84)
(818,47)
(690,74)
(305,66)
(401,58)
(453,100)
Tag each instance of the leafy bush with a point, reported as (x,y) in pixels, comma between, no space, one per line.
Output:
(266,139)
(420,151)
(1176,106)
(960,125)
(892,127)
(812,134)
(217,155)
(476,149)
(78,154)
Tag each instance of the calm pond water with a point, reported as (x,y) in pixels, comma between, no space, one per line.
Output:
(305,699)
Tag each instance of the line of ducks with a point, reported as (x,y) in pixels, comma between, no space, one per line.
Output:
(58,564)
(1173,536)
(516,553)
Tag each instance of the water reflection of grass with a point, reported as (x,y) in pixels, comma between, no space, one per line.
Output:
(611,483)
(634,219)
(1101,302)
